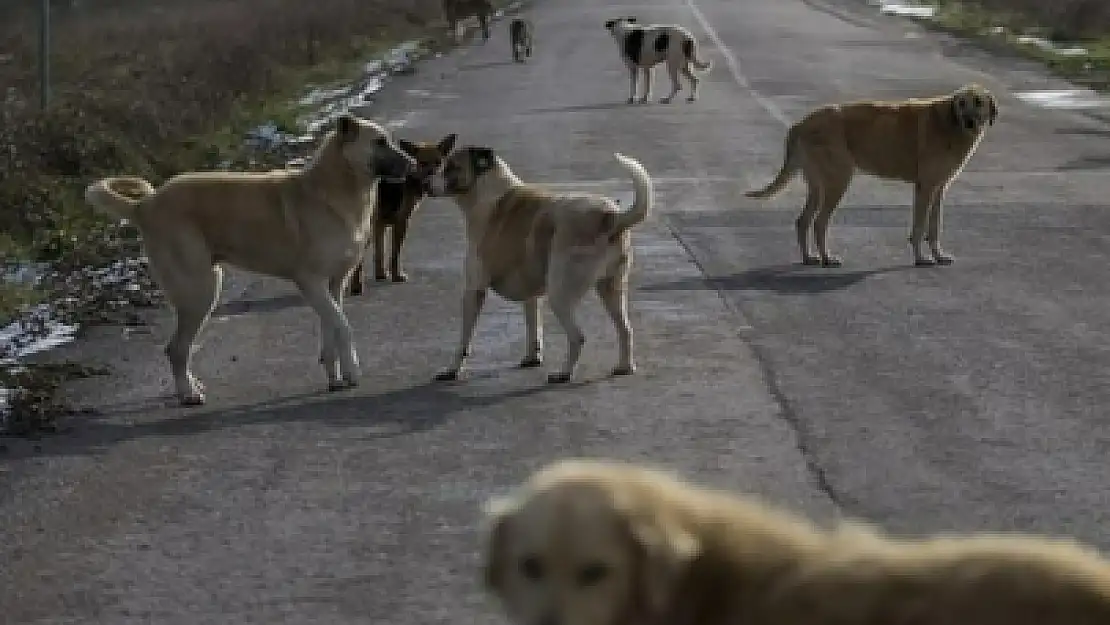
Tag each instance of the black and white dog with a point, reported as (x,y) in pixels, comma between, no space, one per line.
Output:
(520,36)
(643,46)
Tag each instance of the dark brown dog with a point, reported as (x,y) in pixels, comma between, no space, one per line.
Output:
(397,201)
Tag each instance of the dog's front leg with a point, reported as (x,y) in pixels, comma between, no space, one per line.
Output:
(337,344)
(398,233)
(633,73)
(379,249)
(533,321)
(473,299)
(922,201)
(933,237)
(647,80)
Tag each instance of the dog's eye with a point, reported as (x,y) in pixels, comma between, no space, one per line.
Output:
(531,568)
(591,574)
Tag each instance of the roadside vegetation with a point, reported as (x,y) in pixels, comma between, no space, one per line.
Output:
(1072,37)
(149,87)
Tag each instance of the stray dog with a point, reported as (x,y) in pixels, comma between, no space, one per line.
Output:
(643,46)
(455,10)
(923,141)
(599,543)
(520,36)
(525,242)
(397,201)
(308,226)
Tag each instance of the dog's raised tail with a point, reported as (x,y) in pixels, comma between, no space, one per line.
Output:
(789,169)
(690,50)
(118,196)
(644,198)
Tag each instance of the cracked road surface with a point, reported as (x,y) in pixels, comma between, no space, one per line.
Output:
(948,398)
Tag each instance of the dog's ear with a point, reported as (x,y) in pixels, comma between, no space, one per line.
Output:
(498,512)
(482,159)
(447,144)
(632,20)
(993,104)
(663,552)
(346,127)
(609,24)
(408,147)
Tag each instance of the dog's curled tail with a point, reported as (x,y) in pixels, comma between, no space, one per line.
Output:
(789,169)
(119,196)
(690,50)
(644,198)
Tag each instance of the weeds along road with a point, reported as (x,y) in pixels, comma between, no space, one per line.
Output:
(952,398)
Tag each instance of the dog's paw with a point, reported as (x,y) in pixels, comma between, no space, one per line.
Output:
(447,375)
(692,98)
(531,362)
(943,259)
(355,289)
(195,398)
(558,378)
(381,277)
(831,262)
(337,385)
(400,277)
(644,100)
(631,100)
(624,369)
(924,262)
(666,100)
(811,261)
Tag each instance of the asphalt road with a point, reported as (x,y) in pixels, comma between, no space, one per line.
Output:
(947,398)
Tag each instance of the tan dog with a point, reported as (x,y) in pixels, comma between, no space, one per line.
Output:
(397,201)
(599,543)
(643,46)
(309,226)
(926,142)
(525,242)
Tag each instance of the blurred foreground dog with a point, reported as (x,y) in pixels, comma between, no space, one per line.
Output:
(308,226)
(397,201)
(526,242)
(520,37)
(923,141)
(643,46)
(456,10)
(598,543)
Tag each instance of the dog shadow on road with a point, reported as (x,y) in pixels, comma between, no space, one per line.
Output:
(381,416)
(578,108)
(487,65)
(782,279)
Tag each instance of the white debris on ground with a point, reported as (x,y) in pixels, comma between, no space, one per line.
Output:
(1052,47)
(915,10)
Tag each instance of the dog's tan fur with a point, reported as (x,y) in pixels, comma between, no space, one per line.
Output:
(926,142)
(308,226)
(396,203)
(643,46)
(526,242)
(607,543)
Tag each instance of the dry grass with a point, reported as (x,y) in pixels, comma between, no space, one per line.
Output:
(1067,20)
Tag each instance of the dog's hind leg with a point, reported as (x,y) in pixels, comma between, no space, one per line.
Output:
(694,82)
(613,292)
(672,72)
(833,188)
(336,341)
(193,293)
(378,235)
(633,74)
(399,231)
(648,80)
(533,321)
(568,281)
(473,300)
(804,223)
(936,210)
